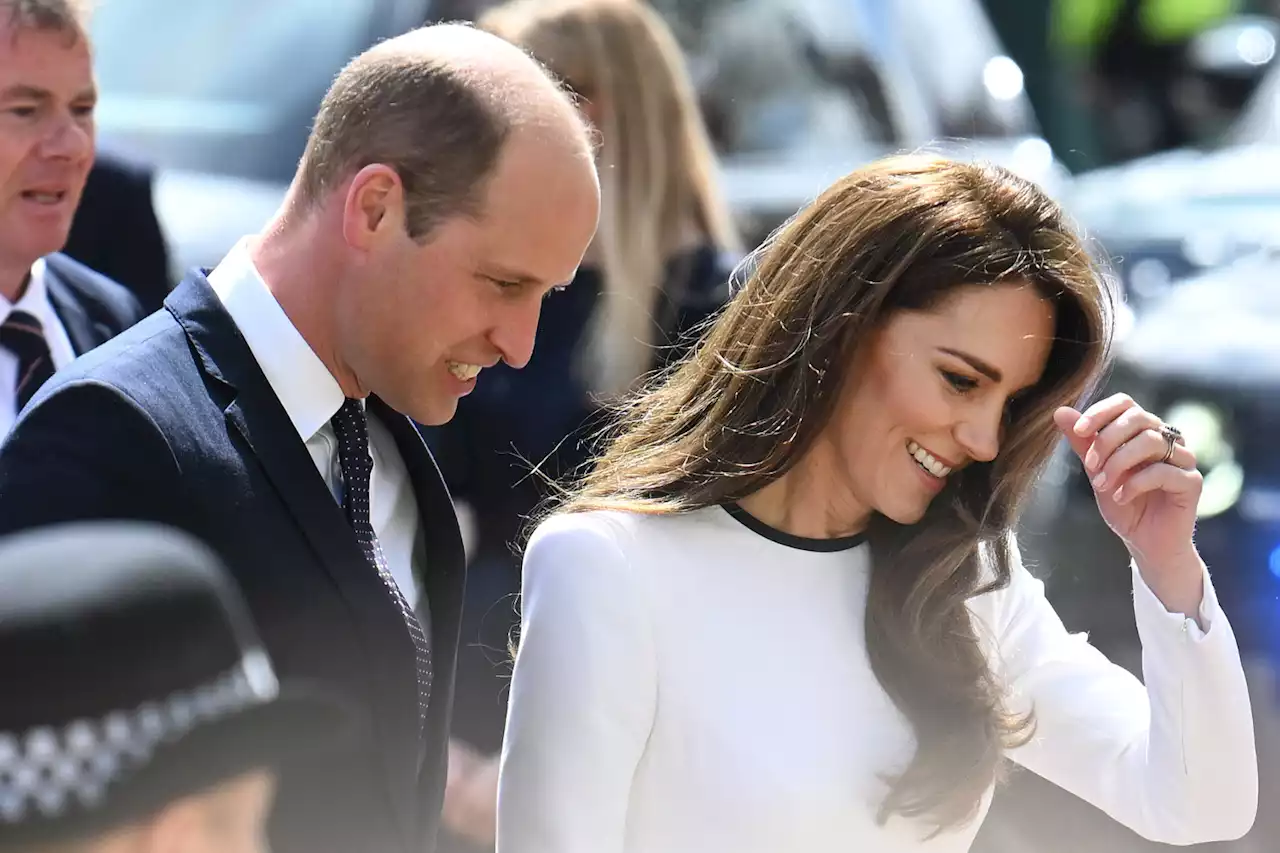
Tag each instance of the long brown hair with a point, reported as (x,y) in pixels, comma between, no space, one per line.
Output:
(658,171)
(744,407)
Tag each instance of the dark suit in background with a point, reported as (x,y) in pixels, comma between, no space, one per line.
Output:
(93,308)
(115,230)
(175,422)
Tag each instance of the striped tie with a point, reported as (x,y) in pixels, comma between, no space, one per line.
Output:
(351,428)
(22,335)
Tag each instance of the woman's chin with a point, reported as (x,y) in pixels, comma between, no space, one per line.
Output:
(905,512)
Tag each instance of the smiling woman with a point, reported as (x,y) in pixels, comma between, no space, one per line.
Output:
(801,539)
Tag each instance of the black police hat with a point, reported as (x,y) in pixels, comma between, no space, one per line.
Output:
(131,675)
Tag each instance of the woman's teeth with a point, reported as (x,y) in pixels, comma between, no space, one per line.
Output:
(465,372)
(927,460)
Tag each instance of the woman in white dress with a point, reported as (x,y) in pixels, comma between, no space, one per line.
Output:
(786,612)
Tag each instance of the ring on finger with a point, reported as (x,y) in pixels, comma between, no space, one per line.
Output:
(1172,438)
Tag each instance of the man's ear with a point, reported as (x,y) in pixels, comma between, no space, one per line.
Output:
(373,206)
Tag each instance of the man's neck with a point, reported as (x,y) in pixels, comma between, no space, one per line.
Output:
(297,276)
(14,279)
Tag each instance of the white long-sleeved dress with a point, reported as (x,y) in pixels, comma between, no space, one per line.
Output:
(695,684)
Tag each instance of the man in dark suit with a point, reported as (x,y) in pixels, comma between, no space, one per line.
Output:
(447,187)
(51,308)
(116,231)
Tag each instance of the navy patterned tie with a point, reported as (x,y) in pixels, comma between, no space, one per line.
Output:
(351,428)
(23,336)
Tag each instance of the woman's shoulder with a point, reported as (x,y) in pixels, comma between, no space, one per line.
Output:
(626,533)
(594,553)
(589,525)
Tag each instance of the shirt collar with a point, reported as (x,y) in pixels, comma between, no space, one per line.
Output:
(305,387)
(34,299)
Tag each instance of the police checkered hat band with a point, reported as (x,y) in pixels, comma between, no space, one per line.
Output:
(49,770)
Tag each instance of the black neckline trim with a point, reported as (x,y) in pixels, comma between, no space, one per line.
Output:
(790,540)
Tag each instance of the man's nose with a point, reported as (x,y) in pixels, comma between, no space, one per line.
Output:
(514,335)
(69,138)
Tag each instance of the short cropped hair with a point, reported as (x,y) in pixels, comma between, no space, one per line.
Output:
(65,16)
(434,123)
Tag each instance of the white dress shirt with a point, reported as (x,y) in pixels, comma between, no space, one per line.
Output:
(34,301)
(685,684)
(311,397)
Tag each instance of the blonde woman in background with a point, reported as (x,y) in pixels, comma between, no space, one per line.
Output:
(659,266)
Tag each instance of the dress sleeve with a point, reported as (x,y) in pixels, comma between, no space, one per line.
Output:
(583,694)
(1175,760)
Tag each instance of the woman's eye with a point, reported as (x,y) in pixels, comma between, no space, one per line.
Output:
(959,382)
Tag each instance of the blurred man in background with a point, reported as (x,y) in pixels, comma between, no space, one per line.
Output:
(51,307)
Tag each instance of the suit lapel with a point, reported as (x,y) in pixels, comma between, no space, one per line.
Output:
(256,414)
(83,333)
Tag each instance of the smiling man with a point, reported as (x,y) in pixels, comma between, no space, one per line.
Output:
(447,186)
(51,308)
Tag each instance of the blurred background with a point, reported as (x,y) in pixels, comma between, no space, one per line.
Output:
(1155,122)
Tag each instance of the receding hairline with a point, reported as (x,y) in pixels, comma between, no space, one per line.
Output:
(514,85)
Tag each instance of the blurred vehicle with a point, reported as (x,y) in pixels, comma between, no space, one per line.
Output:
(1156,74)
(1162,218)
(219,95)
(797,92)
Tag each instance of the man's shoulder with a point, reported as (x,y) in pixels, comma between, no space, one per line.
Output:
(145,360)
(104,299)
(139,387)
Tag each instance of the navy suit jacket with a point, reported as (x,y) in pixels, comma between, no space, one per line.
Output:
(173,421)
(116,231)
(93,308)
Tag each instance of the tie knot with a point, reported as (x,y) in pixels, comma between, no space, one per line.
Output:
(351,411)
(351,421)
(351,429)
(22,334)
